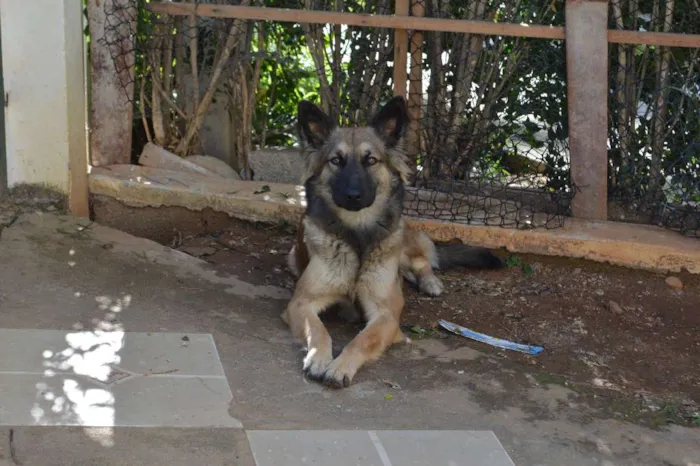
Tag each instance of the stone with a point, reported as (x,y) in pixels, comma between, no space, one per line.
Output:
(674,282)
(277,165)
(7,218)
(199,251)
(614,307)
(214,165)
(157,157)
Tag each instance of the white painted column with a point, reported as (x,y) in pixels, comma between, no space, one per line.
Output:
(43,70)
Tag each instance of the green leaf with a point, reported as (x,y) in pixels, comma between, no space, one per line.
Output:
(514,261)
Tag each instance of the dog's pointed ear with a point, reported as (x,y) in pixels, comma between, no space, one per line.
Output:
(314,125)
(392,120)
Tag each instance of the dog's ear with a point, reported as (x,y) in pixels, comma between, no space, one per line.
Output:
(392,120)
(314,125)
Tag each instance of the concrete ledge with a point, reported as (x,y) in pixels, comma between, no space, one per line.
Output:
(625,244)
(629,245)
(257,201)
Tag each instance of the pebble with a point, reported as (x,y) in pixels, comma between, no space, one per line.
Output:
(614,307)
(599,292)
(674,282)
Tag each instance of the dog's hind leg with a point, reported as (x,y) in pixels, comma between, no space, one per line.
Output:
(418,260)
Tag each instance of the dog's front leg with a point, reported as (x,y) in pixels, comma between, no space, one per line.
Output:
(382,307)
(302,317)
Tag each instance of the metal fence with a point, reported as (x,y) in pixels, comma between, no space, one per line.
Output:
(654,126)
(492,128)
(490,137)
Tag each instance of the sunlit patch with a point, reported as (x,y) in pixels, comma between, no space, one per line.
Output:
(102,435)
(63,399)
(96,351)
(37,414)
(599,382)
(58,405)
(93,407)
(71,252)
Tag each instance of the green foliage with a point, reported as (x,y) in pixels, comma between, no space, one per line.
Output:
(515,261)
(287,76)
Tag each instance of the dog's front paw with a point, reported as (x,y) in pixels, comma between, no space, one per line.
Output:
(431,285)
(339,374)
(316,362)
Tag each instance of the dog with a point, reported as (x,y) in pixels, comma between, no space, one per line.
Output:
(353,246)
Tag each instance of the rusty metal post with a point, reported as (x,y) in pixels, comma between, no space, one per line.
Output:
(587,83)
(400,51)
(415,91)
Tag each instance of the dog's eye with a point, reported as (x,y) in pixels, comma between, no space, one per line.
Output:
(369,161)
(336,160)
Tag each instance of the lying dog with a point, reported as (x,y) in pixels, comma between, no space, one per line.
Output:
(353,245)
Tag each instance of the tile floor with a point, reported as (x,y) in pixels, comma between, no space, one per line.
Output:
(128,379)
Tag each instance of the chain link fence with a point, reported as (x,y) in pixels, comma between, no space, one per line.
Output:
(654,109)
(493,125)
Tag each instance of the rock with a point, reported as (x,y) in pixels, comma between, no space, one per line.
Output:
(599,292)
(277,165)
(157,157)
(674,282)
(198,251)
(577,271)
(614,307)
(215,165)
(7,218)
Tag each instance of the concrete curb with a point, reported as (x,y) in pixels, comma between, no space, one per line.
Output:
(630,245)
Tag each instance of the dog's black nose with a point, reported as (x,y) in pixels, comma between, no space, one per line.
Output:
(353,195)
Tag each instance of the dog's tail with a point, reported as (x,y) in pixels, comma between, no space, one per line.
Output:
(461,255)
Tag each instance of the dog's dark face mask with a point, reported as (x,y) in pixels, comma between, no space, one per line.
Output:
(353,187)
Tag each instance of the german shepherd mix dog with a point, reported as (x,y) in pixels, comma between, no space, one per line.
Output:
(353,245)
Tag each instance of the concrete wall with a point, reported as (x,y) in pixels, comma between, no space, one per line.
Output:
(3,160)
(43,71)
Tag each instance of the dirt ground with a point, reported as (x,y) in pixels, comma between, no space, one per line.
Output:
(26,199)
(625,340)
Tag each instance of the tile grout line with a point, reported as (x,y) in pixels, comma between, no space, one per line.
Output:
(498,441)
(379,447)
(73,374)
